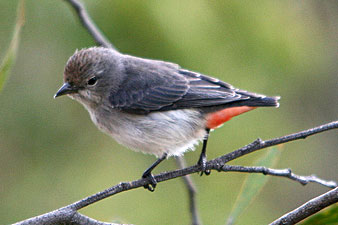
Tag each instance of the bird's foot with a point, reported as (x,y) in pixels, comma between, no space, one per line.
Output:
(202,162)
(152,181)
(147,174)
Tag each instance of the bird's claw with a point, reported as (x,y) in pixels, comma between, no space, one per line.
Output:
(202,162)
(152,182)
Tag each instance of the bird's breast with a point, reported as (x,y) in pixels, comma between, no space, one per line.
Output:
(172,132)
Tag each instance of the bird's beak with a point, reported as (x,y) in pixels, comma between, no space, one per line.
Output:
(65,89)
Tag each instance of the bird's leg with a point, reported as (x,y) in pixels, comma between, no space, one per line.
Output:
(203,157)
(147,173)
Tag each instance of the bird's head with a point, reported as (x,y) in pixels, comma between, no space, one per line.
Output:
(90,74)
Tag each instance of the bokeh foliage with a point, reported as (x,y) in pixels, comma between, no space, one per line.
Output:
(10,56)
(51,154)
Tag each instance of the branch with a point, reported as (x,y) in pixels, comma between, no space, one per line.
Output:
(195,218)
(309,208)
(280,173)
(88,23)
(259,144)
(215,164)
(65,215)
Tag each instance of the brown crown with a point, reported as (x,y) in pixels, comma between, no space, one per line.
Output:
(80,64)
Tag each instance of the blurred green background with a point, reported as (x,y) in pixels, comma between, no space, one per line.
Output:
(52,154)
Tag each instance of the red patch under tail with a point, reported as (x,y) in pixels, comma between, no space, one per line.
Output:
(218,118)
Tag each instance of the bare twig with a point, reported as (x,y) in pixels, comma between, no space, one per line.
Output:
(309,208)
(88,23)
(259,144)
(216,164)
(65,215)
(280,173)
(195,218)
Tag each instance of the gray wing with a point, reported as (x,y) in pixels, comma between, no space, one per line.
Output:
(161,88)
(144,96)
(148,86)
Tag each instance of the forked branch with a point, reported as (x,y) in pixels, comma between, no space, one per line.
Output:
(215,164)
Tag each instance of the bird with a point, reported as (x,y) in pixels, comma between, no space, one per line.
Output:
(153,106)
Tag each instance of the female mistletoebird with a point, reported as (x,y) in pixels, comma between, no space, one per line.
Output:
(153,106)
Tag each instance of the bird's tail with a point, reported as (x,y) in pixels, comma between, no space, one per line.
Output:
(218,117)
(262,101)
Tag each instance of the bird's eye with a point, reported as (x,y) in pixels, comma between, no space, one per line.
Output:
(92,81)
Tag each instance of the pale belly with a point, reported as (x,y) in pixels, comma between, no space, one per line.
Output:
(170,132)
